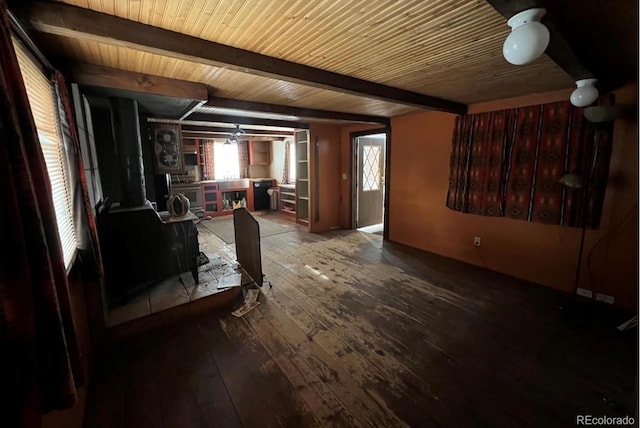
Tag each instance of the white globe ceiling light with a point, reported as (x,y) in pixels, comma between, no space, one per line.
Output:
(528,39)
(585,93)
(602,113)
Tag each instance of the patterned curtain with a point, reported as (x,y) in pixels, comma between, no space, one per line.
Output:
(243,158)
(40,356)
(509,163)
(477,163)
(208,163)
(287,160)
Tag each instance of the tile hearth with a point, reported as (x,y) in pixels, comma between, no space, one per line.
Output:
(215,276)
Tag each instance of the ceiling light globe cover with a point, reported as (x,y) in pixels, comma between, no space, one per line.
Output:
(585,93)
(597,114)
(528,39)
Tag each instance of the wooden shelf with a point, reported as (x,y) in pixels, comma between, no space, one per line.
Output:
(301,138)
(259,152)
(288,199)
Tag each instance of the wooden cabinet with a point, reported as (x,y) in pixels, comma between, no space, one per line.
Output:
(288,198)
(302,176)
(191,170)
(190,146)
(259,152)
(210,202)
(220,201)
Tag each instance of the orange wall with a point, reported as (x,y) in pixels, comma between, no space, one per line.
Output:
(418,217)
(614,247)
(327,137)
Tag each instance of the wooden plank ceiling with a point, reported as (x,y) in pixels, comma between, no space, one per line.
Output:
(451,49)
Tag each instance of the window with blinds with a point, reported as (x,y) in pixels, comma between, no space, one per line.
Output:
(40,91)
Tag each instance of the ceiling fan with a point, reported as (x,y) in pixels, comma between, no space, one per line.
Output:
(235,135)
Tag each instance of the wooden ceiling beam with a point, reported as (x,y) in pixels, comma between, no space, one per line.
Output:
(242,120)
(79,23)
(200,136)
(221,130)
(294,111)
(105,77)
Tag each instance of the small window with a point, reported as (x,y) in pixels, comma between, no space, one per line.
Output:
(42,101)
(226,161)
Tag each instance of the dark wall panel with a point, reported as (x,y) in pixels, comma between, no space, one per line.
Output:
(107,158)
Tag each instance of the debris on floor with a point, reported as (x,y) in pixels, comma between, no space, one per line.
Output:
(246,307)
(250,302)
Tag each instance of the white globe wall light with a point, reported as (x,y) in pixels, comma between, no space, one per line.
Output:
(528,39)
(585,93)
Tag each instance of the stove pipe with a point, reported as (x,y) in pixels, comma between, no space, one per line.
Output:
(128,147)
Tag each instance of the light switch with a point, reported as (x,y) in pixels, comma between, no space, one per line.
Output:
(344,175)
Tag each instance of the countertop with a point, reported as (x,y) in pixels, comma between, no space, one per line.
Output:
(235,179)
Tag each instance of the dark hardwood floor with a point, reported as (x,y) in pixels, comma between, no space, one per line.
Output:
(355,332)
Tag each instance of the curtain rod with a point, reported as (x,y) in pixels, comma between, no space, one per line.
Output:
(24,37)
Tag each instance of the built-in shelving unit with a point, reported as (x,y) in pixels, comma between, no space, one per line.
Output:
(234,198)
(288,198)
(302,176)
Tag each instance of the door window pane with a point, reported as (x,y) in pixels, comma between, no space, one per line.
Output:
(370,168)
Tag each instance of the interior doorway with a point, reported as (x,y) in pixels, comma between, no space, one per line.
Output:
(369,172)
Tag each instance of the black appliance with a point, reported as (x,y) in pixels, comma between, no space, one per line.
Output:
(261,199)
(162,184)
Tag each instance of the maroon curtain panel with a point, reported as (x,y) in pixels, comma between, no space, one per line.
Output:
(477,163)
(243,158)
(287,160)
(510,162)
(39,353)
(208,172)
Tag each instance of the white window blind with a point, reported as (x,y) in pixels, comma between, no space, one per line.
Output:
(40,92)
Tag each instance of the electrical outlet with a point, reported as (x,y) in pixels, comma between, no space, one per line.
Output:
(604,298)
(476,241)
(584,293)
